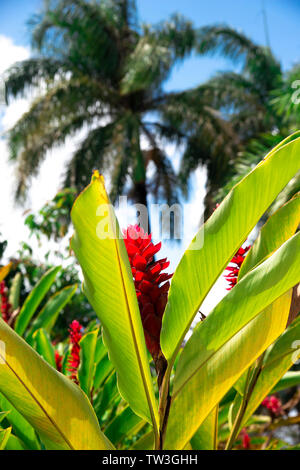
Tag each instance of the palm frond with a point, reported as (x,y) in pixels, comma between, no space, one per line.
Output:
(158,49)
(92,153)
(258,61)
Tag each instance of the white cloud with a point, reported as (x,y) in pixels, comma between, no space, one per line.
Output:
(11,53)
(46,184)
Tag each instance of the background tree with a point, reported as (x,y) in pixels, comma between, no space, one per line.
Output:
(98,70)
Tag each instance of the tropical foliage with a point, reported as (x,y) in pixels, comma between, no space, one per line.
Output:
(132,379)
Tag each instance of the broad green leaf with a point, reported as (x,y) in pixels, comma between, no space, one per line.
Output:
(228,341)
(109,288)
(48,315)
(290,379)
(222,235)
(278,228)
(125,424)
(103,370)
(109,395)
(206,435)
(34,299)
(279,358)
(101,350)
(14,443)
(87,361)
(4,436)
(44,347)
(146,442)
(20,426)
(50,402)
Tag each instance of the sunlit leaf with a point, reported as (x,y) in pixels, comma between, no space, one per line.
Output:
(55,407)
(109,288)
(222,235)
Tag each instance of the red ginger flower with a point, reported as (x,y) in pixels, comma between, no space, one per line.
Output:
(150,283)
(5,305)
(74,359)
(237,260)
(58,361)
(246,440)
(273,404)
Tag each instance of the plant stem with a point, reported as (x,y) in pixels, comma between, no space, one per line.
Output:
(250,385)
(164,403)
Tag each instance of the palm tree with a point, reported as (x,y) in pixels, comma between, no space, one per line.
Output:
(98,70)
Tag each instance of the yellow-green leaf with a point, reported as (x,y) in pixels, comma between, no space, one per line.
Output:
(222,235)
(34,299)
(228,341)
(109,288)
(56,408)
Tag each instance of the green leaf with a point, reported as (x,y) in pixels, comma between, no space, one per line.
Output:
(55,407)
(34,299)
(278,228)
(4,436)
(228,341)
(48,315)
(223,234)
(103,369)
(109,288)
(20,426)
(3,415)
(290,379)
(87,361)
(14,443)
(279,358)
(124,425)
(206,435)
(146,442)
(44,347)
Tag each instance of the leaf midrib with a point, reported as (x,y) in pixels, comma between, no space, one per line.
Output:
(134,337)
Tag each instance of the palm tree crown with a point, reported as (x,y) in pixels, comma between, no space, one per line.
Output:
(97,69)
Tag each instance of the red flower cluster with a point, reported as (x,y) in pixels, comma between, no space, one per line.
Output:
(273,404)
(150,283)
(237,260)
(58,361)
(246,441)
(5,305)
(74,359)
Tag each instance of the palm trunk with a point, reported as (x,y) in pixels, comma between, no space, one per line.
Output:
(140,192)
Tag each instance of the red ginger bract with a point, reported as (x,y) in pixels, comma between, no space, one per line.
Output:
(58,361)
(5,305)
(273,404)
(75,330)
(237,260)
(150,283)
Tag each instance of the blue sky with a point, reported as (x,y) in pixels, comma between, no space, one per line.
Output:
(282,16)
